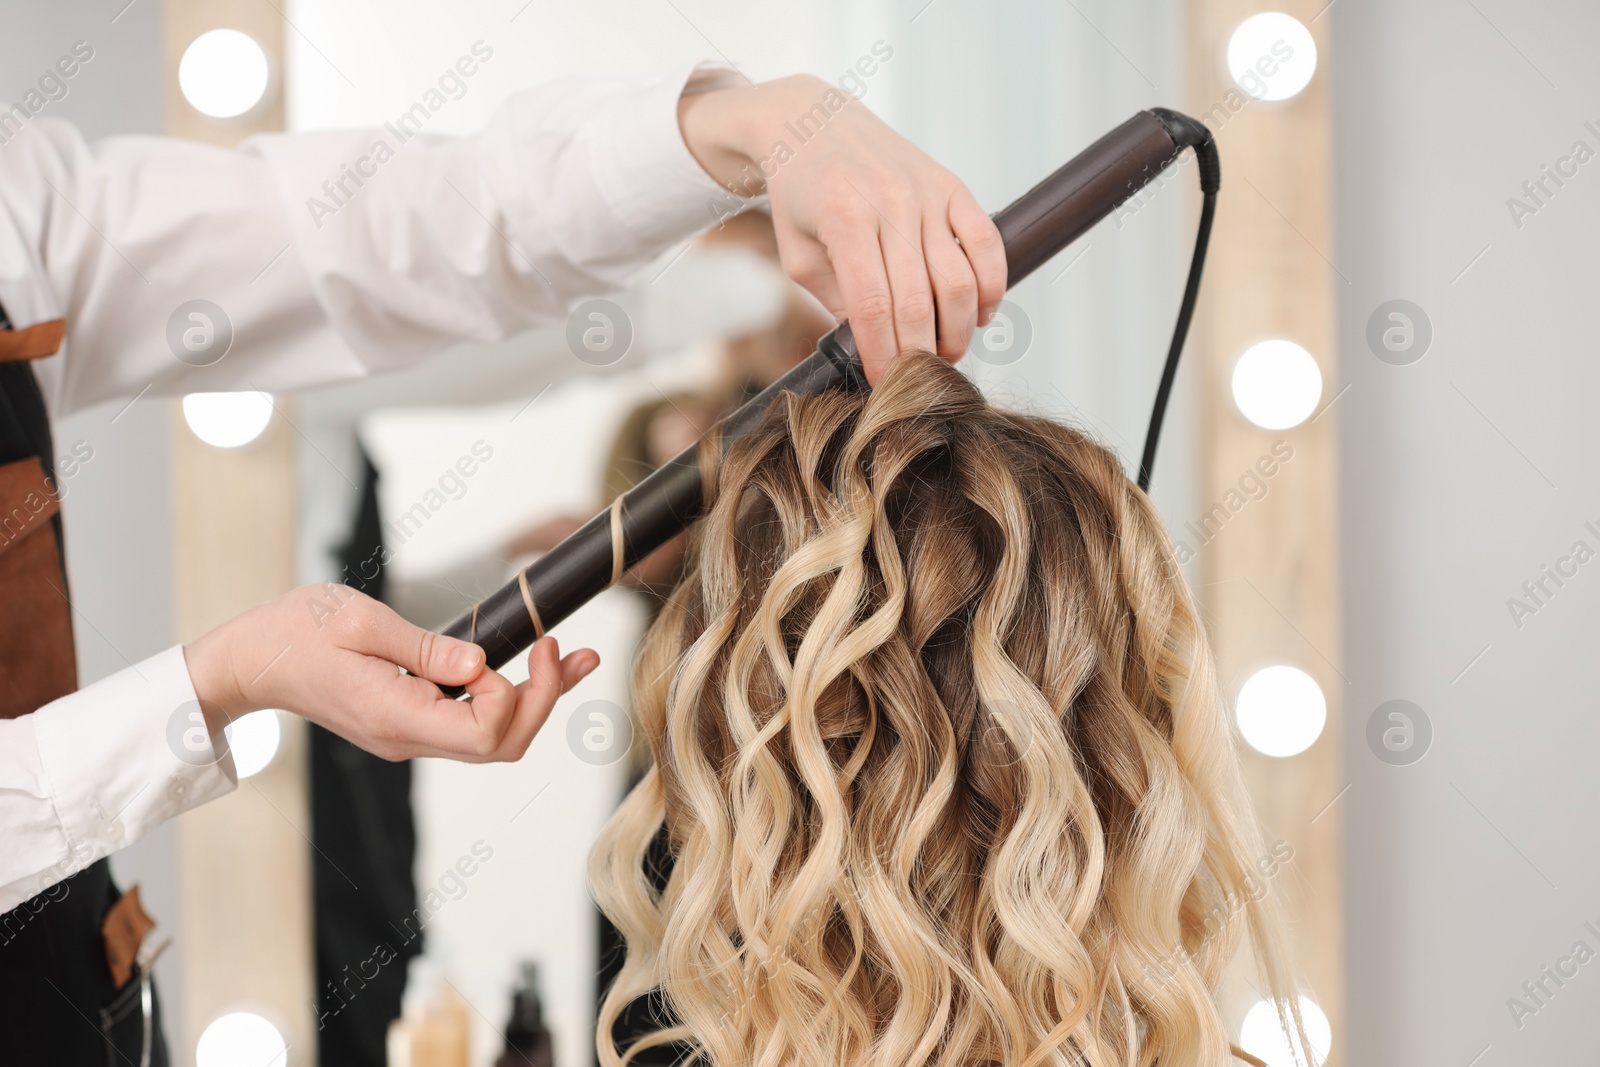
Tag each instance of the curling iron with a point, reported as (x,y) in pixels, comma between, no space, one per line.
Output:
(1045,220)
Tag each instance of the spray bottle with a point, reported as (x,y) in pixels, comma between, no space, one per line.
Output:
(528,1041)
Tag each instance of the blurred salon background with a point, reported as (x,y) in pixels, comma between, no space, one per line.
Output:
(1376,446)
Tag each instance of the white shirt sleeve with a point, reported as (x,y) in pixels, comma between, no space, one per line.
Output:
(98,769)
(331,256)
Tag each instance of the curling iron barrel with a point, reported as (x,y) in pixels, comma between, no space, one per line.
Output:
(1041,223)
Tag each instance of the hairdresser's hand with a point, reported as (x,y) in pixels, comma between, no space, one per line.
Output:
(333,655)
(876,230)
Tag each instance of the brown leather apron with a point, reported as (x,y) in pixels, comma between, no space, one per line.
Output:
(62,1003)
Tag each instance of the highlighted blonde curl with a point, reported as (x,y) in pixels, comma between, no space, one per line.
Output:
(940,758)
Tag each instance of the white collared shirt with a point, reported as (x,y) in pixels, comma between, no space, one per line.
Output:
(329,263)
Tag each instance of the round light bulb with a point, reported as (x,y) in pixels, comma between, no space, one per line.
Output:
(223,73)
(253,739)
(241,1039)
(1276,384)
(1261,1034)
(227,420)
(1272,56)
(1280,711)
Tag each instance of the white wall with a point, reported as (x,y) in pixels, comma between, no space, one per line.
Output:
(1462,475)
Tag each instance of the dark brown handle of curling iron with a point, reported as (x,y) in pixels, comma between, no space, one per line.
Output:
(653,512)
(1041,223)
(1086,189)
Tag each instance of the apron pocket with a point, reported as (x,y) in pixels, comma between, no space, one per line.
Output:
(130,1025)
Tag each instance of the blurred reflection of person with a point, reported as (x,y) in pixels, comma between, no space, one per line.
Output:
(661,427)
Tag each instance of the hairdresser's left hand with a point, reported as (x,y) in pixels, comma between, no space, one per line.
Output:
(873,227)
(335,656)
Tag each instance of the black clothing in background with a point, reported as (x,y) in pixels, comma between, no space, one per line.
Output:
(362,886)
(648,1013)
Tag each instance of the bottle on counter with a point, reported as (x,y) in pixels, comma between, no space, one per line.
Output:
(528,1041)
(432,1030)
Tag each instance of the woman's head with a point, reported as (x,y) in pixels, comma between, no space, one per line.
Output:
(939,753)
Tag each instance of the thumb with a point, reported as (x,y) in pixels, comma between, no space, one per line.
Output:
(424,653)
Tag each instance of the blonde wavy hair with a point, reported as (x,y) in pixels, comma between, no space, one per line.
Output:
(940,757)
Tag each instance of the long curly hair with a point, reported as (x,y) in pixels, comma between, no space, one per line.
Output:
(940,758)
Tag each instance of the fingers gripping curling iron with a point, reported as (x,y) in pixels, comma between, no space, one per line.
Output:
(1045,220)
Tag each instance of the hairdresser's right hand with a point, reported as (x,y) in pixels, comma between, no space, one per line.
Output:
(333,656)
(868,222)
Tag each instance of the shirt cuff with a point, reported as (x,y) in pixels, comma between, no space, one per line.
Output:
(124,755)
(644,170)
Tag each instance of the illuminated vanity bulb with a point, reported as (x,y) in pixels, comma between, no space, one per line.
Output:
(223,73)
(241,1039)
(1261,1035)
(1276,384)
(254,739)
(1281,711)
(1272,56)
(227,420)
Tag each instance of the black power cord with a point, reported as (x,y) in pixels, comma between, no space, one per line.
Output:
(1186,132)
